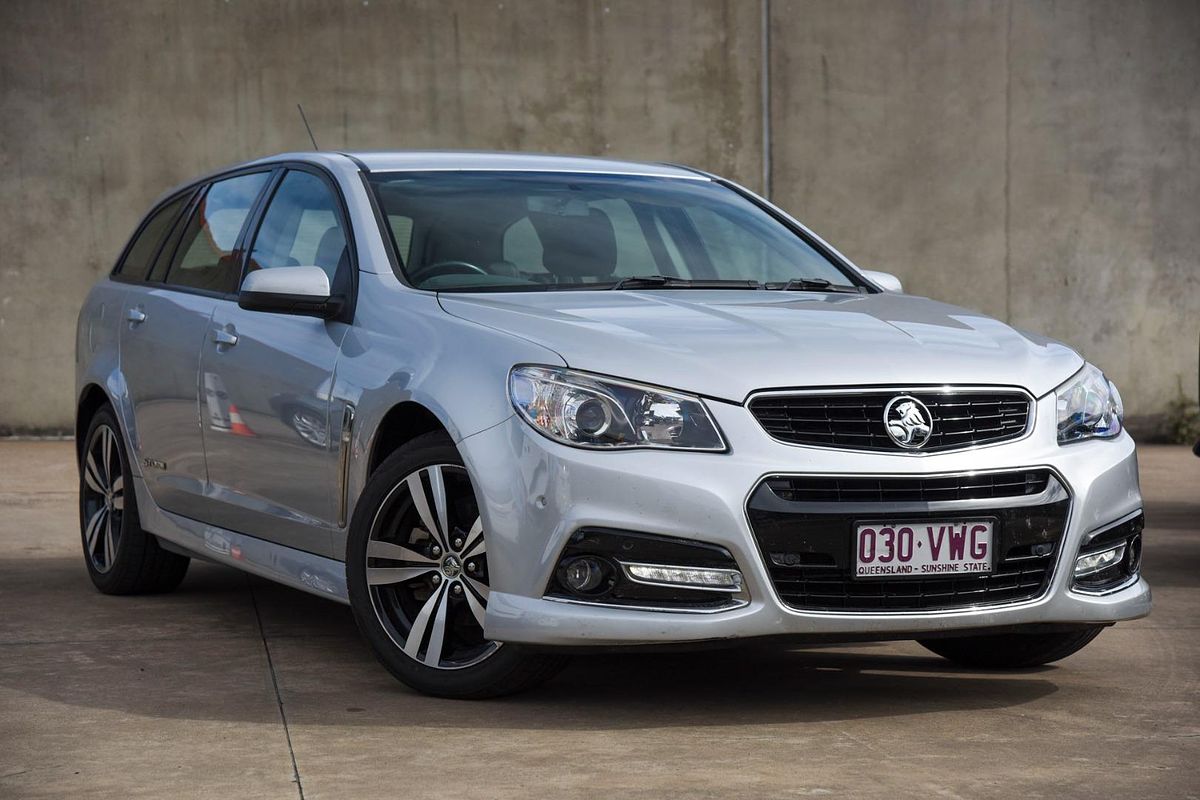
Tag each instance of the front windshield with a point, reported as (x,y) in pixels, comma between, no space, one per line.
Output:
(536,231)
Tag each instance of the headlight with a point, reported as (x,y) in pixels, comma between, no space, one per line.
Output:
(585,410)
(1089,406)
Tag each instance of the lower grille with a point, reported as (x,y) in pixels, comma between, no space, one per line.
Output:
(808,544)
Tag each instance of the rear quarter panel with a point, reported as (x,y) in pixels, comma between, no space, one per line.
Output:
(97,351)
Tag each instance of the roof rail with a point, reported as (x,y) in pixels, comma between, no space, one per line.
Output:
(363,167)
(686,168)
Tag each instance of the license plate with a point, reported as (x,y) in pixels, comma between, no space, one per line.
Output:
(923,549)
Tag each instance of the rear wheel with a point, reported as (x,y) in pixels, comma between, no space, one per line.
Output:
(417,573)
(1012,650)
(121,558)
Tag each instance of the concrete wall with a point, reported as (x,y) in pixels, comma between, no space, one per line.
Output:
(1037,160)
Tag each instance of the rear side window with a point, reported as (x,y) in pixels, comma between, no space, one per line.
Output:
(140,255)
(206,258)
(301,228)
(159,270)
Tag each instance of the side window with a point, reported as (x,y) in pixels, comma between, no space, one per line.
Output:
(672,249)
(741,252)
(522,247)
(167,251)
(136,264)
(402,228)
(633,253)
(729,245)
(301,228)
(205,258)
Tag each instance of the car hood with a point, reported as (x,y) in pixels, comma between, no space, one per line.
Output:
(728,344)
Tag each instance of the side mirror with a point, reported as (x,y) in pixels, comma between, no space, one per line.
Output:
(884,280)
(290,290)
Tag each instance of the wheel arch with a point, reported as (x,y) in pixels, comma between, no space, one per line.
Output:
(402,423)
(91,399)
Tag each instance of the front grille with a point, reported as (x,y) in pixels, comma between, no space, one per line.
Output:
(854,421)
(835,489)
(807,540)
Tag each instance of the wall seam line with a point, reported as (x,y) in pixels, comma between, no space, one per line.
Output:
(766,98)
(1008,163)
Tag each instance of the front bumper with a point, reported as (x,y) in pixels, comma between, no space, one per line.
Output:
(534,493)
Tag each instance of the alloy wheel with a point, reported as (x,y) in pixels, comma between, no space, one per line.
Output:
(309,426)
(103,498)
(426,569)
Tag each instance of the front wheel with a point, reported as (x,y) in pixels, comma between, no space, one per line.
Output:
(417,574)
(1012,650)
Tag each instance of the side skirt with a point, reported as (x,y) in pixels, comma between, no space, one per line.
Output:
(324,577)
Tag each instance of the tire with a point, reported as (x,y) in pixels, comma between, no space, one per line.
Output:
(1012,650)
(415,562)
(121,558)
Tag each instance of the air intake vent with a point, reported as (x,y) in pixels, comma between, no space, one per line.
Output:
(985,486)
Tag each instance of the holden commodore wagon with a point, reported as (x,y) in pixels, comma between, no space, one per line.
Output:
(511,407)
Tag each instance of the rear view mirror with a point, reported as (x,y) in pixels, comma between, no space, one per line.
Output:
(884,280)
(289,290)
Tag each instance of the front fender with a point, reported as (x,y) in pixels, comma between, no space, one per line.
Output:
(404,348)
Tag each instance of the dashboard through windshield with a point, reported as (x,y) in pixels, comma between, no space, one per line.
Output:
(517,231)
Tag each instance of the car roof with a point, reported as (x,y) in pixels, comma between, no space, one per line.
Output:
(467,160)
(450,160)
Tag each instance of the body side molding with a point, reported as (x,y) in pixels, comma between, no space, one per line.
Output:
(308,572)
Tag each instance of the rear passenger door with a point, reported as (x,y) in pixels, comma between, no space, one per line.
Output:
(164,323)
(270,434)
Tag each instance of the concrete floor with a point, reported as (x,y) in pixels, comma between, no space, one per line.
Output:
(232,687)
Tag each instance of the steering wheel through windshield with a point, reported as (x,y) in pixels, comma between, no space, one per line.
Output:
(424,273)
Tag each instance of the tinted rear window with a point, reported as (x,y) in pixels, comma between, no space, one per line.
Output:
(140,255)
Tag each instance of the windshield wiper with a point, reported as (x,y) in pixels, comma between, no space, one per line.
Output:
(669,282)
(813,285)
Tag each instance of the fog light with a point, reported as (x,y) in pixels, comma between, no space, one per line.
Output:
(583,575)
(719,580)
(1133,558)
(643,571)
(1092,563)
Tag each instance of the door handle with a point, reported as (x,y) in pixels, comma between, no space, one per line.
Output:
(224,337)
(135,315)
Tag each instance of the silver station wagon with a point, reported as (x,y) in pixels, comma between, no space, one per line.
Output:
(513,407)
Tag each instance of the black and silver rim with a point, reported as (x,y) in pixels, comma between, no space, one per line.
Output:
(310,427)
(427,569)
(103,498)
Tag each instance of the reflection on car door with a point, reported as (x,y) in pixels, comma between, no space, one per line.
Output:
(165,321)
(271,448)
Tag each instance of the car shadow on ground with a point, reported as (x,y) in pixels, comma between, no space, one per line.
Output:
(756,686)
(199,653)
(213,666)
